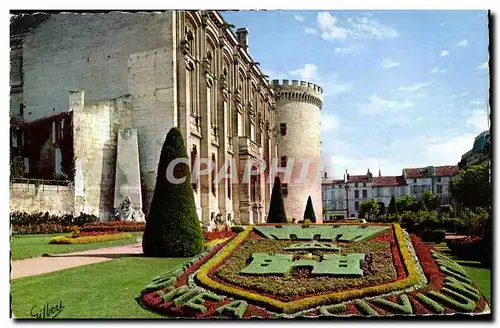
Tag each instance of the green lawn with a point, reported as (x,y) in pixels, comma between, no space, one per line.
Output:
(480,276)
(26,246)
(101,290)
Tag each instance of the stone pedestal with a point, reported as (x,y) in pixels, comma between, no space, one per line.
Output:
(128,177)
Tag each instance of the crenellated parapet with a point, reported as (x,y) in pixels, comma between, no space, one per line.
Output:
(301,91)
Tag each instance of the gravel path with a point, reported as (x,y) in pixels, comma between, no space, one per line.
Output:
(55,262)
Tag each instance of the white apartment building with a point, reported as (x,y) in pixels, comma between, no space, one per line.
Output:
(353,189)
(435,179)
(386,187)
(359,189)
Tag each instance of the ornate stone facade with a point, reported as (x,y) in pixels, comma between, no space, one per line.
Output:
(176,68)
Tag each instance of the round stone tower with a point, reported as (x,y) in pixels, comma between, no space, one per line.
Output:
(298,110)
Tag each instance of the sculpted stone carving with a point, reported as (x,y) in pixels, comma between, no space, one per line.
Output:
(127,213)
(126,133)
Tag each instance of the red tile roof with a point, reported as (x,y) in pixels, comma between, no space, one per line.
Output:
(421,172)
(358,178)
(335,182)
(389,181)
(446,171)
(415,173)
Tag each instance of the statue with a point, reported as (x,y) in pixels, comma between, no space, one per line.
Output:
(127,213)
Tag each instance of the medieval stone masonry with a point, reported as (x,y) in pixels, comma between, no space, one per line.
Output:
(124,79)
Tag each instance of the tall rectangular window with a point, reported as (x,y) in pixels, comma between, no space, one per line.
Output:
(189,103)
(439,189)
(365,193)
(283,161)
(356,206)
(240,124)
(193,170)
(283,129)
(212,175)
(284,189)
(356,193)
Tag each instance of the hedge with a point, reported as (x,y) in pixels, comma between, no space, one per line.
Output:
(114,225)
(89,239)
(173,228)
(37,218)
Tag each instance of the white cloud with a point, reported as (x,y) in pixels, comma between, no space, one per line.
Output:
(310,30)
(459,95)
(307,73)
(478,121)
(444,150)
(329,121)
(367,28)
(444,53)
(483,65)
(476,102)
(347,50)
(436,70)
(377,105)
(299,18)
(388,63)
(462,43)
(331,84)
(328,28)
(413,87)
(359,28)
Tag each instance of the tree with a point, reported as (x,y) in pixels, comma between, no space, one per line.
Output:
(381,207)
(472,187)
(403,201)
(429,200)
(276,212)
(368,208)
(172,227)
(393,209)
(309,212)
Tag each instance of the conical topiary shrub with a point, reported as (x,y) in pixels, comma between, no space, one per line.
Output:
(276,212)
(172,227)
(392,206)
(309,212)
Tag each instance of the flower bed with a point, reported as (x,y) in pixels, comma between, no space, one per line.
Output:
(400,276)
(128,226)
(89,239)
(209,236)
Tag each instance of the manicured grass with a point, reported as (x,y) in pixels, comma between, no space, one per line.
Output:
(101,290)
(480,276)
(27,246)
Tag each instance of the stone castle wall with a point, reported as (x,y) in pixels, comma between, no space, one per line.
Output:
(299,107)
(30,198)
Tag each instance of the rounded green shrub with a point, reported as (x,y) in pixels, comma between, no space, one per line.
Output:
(172,227)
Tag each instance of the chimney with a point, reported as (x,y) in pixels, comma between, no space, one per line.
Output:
(242,36)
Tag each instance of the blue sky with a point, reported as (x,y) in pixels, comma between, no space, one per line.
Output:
(401,88)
